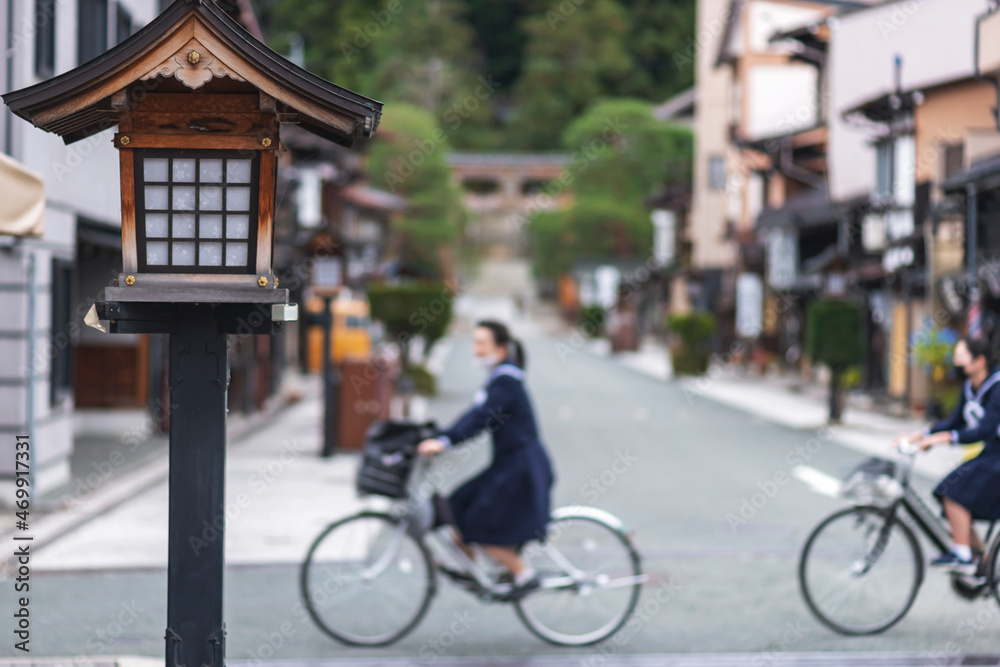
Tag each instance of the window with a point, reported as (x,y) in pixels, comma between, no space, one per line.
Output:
(123,24)
(716,173)
(62,350)
(884,158)
(954,159)
(45,38)
(196,211)
(92,29)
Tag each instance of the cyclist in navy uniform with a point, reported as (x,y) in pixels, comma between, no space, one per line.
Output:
(971,491)
(508,503)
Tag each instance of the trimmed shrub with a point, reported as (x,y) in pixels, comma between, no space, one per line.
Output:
(593,319)
(695,331)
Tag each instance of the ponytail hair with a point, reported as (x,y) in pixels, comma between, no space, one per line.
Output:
(502,338)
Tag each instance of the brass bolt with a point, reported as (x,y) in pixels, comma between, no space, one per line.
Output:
(124,140)
(265,142)
(130,280)
(262,281)
(276,281)
(194,57)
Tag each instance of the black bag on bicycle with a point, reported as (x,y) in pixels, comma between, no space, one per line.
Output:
(389,453)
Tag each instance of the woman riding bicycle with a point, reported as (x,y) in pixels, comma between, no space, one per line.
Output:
(971,491)
(507,504)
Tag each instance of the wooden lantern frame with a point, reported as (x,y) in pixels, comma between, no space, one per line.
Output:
(194,80)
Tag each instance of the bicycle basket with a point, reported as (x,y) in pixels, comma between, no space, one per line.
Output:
(387,460)
(874,481)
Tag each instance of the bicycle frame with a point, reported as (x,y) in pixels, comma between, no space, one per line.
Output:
(924,518)
(929,523)
(485,586)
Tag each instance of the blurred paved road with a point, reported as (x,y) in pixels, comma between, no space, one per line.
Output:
(693,462)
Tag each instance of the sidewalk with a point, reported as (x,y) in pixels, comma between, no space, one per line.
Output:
(279,494)
(863,429)
(650,359)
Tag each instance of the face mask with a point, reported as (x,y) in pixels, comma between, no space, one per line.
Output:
(484,362)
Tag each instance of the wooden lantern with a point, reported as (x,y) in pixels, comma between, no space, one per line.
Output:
(198,103)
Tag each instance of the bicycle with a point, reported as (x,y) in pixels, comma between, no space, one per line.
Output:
(369,579)
(862,566)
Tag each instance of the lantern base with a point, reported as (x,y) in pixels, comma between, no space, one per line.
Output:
(196,288)
(159,317)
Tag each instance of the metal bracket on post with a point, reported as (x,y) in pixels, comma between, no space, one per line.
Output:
(218,642)
(173,637)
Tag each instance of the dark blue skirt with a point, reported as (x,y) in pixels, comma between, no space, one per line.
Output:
(975,485)
(508,503)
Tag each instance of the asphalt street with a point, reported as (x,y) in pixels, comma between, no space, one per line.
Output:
(679,469)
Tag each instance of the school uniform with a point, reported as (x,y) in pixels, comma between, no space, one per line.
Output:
(508,503)
(975,485)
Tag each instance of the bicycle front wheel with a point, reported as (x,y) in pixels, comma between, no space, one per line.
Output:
(590,581)
(366,581)
(860,571)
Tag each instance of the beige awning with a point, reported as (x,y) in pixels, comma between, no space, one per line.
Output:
(22,199)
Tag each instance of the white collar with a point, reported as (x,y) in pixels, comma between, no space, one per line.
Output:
(506,369)
(983,388)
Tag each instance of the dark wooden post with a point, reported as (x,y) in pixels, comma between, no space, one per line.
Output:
(199,379)
(331,383)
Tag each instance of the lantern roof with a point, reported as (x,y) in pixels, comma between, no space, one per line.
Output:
(191,44)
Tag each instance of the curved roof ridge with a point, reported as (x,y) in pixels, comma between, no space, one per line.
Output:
(74,122)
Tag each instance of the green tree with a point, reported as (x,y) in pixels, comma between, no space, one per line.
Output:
(335,37)
(412,309)
(602,227)
(497,28)
(660,41)
(425,56)
(575,54)
(407,157)
(626,153)
(620,154)
(833,337)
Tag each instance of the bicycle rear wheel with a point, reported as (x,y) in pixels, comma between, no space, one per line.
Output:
(590,581)
(993,571)
(366,581)
(860,571)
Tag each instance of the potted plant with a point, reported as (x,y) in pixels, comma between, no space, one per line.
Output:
(932,348)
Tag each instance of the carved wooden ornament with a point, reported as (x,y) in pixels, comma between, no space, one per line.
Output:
(194,66)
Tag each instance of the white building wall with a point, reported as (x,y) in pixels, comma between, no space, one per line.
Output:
(80,180)
(712,110)
(934,39)
(782,99)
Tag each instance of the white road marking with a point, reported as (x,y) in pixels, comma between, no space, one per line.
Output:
(818,481)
